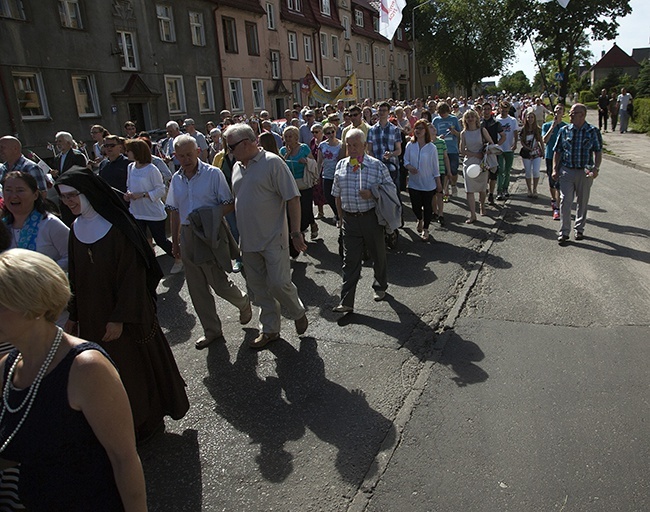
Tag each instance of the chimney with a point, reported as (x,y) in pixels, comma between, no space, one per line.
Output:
(602,53)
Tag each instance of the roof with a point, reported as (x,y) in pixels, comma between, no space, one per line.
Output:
(616,58)
(310,14)
(641,54)
(245,5)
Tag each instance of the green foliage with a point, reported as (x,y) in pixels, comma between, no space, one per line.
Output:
(587,97)
(516,82)
(642,114)
(462,41)
(643,81)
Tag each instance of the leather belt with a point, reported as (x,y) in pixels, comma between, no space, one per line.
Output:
(359,214)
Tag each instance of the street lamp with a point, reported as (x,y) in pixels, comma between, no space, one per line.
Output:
(413,37)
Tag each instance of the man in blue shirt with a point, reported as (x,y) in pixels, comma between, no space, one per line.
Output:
(576,163)
(550,131)
(12,156)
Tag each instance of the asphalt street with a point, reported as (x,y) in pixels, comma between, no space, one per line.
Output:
(503,372)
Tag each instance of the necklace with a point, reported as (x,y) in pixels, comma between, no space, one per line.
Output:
(33,388)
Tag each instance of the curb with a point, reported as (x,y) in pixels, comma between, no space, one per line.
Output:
(627,163)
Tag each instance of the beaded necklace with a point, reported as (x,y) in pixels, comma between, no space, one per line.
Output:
(33,388)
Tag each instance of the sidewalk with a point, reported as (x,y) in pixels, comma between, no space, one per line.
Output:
(631,149)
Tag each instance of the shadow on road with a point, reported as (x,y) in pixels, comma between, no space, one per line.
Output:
(182,321)
(460,356)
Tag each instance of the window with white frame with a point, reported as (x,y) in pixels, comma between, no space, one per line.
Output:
(31,95)
(258,94)
(294,5)
(175,94)
(375,23)
(366,53)
(378,90)
(270,16)
(325,7)
(308,45)
(166,23)
(236,96)
(12,9)
(85,95)
(361,89)
(348,64)
(327,83)
(346,27)
(335,47)
(293,45)
(69,13)
(229,34)
(358,17)
(197,28)
(383,57)
(385,89)
(369,87)
(276,72)
(252,41)
(376,51)
(324,46)
(295,90)
(359,54)
(337,81)
(128,50)
(205,93)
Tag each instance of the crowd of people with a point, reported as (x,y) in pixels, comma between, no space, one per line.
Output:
(82,269)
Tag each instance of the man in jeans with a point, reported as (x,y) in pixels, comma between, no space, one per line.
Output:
(578,153)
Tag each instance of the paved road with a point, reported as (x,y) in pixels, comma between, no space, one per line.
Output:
(503,373)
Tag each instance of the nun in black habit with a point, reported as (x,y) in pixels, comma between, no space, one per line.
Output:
(113,275)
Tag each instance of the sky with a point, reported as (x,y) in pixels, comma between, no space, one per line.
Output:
(633,32)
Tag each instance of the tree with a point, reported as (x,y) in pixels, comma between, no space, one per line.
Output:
(462,40)
(560,35)
(643,81)
(516,82)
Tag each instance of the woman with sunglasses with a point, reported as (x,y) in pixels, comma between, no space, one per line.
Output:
(328,156)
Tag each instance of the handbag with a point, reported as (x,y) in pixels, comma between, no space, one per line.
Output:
(524,153)
(310,175)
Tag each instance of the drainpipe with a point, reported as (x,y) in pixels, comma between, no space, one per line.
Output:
(372,60)
(5,96)
(216,37)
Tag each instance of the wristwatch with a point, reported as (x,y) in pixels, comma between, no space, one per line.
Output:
(296,234)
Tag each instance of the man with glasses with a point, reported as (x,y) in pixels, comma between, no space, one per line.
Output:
(384,142)
(198,186)
(115,168)
(357,122)
(264,191)
(576,163)
(305,129)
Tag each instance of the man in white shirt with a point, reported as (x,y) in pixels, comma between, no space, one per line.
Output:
(623,103)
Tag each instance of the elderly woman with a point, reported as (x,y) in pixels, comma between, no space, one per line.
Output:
(65,416)
(31,226)
(114,275)
(295,155)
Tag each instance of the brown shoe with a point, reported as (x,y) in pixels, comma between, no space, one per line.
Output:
(301,324)
(204,342)
(263,339)
(246,314)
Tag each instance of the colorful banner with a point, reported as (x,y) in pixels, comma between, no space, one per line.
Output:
(310,85)
(390,17)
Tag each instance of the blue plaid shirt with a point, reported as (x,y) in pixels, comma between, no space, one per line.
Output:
(25,165)
(384,139)
(348,183)
(578,145)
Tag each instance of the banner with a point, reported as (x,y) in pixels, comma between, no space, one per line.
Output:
(390,17)
(310,85)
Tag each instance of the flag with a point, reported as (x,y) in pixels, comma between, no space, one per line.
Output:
(390,17)
(312,86)
(563,3)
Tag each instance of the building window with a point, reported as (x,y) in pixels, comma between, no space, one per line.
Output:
(166,23)
(400,35)
(175,94)
(270,16)
(346,27)
(12,9)
(366,53)
(375,23)
(361,89)
(327,83)
(31,95)
(358,17)
(258,94)
(376,61)
(325,7)
(383,57)
(295,89)
(128,50)
(251,38)
(197,29)
(391,71)
(294,5)
(293,45)
(276,73)
(359,56)
(85,95)
(307,43)
(335,47)
(229,34)
(70,13)
(378,90)
(337,81)
(348,64)
(385,90)
(236,97)
(369,88)
(324,47)
(205,93)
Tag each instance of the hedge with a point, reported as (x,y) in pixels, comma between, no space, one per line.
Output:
(587,97)
(641,115)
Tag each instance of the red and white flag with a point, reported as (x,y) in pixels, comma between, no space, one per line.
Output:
(390,17)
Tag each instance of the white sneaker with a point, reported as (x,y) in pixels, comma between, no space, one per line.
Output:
(454,190)
(176,267)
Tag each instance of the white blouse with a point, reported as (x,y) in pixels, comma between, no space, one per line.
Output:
(146,179)
(425,160)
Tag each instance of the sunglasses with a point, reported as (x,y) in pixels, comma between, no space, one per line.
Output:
(328,133)
(233,146)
